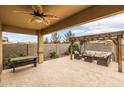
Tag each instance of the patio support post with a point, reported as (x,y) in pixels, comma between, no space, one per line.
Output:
(81,43)
(40,48)
(118,44)
(114,52)
(116,49)
(84,46)
(119,49)
(1,57)
(71,50)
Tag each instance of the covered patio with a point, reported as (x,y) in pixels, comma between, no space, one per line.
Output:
(63,72)
(68,16)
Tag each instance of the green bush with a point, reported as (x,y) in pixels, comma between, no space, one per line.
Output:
(53,55)
(6,63)
(13,56)
(17,55)
(21,54)
(75,47)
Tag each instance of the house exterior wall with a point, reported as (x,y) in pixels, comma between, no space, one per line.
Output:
(1,57)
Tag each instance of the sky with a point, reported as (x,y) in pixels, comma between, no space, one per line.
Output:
(110,24)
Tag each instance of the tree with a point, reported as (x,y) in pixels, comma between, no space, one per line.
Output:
(46,40)
(67,36)
(55,38)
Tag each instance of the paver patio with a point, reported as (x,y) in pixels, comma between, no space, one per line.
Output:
(64,72)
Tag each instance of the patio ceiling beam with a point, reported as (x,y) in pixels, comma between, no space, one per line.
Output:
(103,36)
(88,15)
(14,29)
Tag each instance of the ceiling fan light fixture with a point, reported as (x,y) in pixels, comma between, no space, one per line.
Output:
(37,19)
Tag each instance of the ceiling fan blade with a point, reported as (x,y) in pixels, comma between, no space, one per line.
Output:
(23,12)
(45,21)
(30,20)
(50,16)
(37,8)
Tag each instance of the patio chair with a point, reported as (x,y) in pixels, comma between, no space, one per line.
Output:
(77,55)
(104,61)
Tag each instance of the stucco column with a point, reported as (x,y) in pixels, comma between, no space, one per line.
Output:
(40,48)
(1,57)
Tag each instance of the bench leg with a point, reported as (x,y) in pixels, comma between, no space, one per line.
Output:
(13,65)
(35,63)
(13,69)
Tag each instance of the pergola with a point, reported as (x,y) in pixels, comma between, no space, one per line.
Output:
(114,36)
(69,15)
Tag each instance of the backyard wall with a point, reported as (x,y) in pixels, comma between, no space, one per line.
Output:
(98,47)
(10,50)
(31,49)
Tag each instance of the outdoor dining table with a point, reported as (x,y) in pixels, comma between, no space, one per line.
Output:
(21,61)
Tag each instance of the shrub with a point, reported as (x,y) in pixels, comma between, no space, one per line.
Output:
(6,63)
(21,55)
(53,55)
(17,55)
(13,56)
(75,47)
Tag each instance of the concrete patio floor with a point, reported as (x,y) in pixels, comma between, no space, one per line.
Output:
(63,72)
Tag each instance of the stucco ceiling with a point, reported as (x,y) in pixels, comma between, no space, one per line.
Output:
(8,17)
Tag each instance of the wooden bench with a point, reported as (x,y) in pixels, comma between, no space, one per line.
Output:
(21,61)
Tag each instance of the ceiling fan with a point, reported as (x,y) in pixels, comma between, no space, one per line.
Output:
(39,15)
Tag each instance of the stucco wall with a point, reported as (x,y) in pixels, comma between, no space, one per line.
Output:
(0,50)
